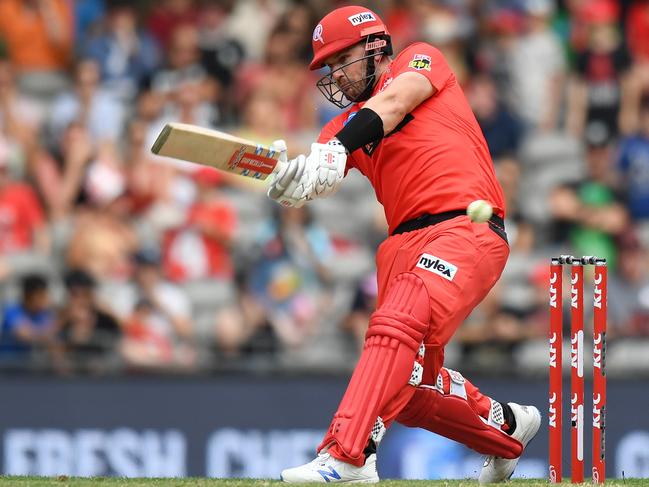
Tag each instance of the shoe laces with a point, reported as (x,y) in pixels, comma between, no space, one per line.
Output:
(321,459)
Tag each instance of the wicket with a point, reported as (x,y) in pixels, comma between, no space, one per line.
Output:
(555,410)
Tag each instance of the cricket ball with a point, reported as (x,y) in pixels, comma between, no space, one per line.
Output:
(479,211)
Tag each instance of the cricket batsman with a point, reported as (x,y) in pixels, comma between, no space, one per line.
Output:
(409,129)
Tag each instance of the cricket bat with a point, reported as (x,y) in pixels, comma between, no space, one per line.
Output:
(216,149)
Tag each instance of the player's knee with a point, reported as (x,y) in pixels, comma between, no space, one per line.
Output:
(405,312)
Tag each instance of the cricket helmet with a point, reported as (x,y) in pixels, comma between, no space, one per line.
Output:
(344,27)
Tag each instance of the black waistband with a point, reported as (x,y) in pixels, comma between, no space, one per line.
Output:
(496,223)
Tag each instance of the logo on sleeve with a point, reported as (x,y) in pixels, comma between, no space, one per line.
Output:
(437,266)
(361,18)
(349,117)
(419,62)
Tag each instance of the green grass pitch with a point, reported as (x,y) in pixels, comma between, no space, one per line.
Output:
(195,482)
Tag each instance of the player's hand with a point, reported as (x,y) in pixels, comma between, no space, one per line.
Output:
(314,176)
(328,162)
(284,186)
(292,185)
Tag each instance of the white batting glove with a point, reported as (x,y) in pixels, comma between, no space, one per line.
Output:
(285,187)
(315,176)
(329,162)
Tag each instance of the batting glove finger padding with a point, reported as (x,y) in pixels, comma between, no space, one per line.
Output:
(293,184)
(280,146)
(275,191)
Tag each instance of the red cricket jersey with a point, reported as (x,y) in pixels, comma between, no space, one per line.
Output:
(436,160)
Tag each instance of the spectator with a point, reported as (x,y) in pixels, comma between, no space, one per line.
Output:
(126,55)
(102,237)
(22,223)
(201,247)
(290,275)
(600,85)
(39,36)
(536,68)
(27,326)
(158,308)
(102,240)
(20,117)
(589,214)
(60,175)
(633,168)
(184,83)
(502,130)
(89,105)
(628,290)
(221,55)
(87,332)
(144,345)
(245,329)
(168,15)
(502,27)
(298,20)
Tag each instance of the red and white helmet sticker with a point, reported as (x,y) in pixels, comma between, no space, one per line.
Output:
(317,34)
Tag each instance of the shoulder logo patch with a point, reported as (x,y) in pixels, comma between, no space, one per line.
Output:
(437,266)
(419,62)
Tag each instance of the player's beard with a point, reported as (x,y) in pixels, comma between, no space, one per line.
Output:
(352,89)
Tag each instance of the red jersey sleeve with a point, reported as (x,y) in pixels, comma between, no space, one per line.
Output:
(424,59)
(334,126)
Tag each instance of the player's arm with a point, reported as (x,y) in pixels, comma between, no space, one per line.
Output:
(320,173)
(384,111)
(402,96)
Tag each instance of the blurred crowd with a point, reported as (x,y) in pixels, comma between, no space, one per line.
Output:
(113,260)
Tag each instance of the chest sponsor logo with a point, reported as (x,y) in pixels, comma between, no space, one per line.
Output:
(437,266)
(419,62)
(361,18)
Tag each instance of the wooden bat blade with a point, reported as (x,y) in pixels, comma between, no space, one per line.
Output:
(216,149)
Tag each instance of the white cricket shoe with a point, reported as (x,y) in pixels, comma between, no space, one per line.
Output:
(528,421)
(327,469)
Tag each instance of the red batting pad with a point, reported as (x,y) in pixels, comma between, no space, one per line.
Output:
(380,380)
(452,416)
